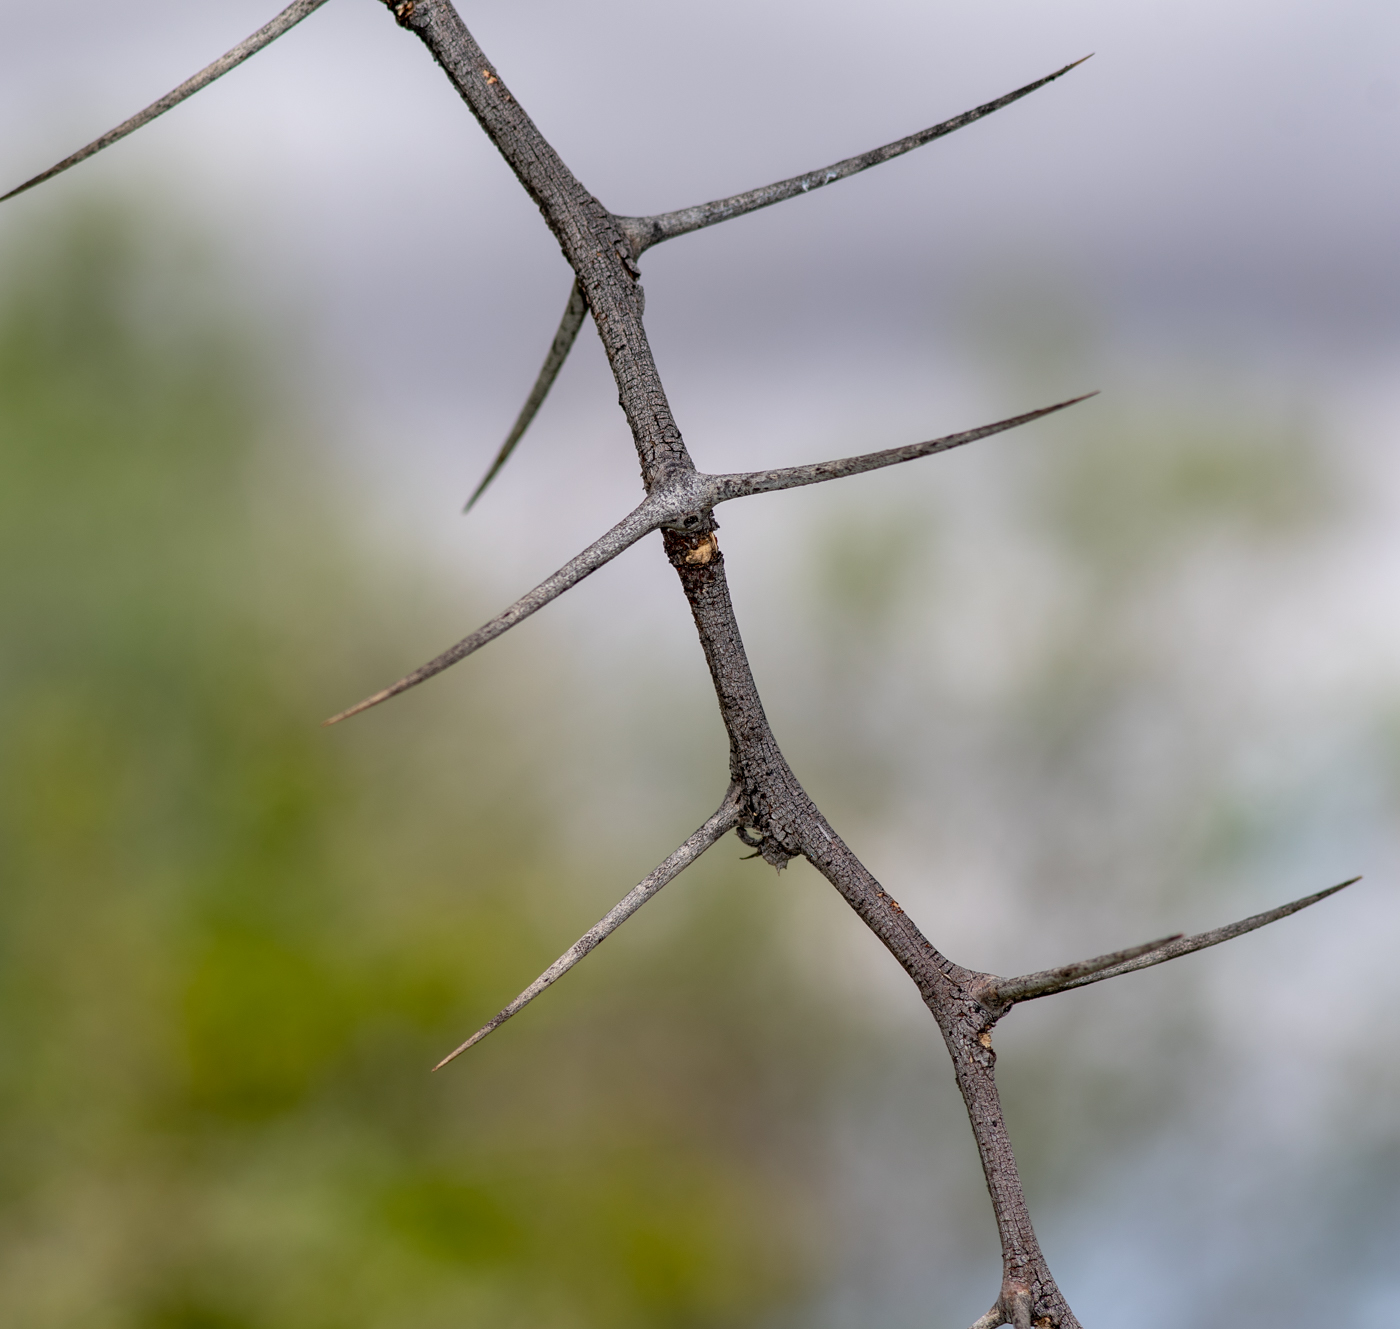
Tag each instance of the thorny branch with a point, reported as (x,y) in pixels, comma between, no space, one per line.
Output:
(643,232)
(682,501)
(766,804)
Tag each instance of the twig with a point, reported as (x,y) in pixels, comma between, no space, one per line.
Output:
(264,36)
(574,313)
(724,820)
(643,232)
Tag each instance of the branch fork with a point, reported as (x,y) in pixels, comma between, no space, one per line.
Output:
(765,804)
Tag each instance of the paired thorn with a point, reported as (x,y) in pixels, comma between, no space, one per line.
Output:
(264,36)
(1006,992)
(725,819)
(681,500)
(574,313)
(643,232)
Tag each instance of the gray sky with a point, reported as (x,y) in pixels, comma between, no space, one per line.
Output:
(1220,173)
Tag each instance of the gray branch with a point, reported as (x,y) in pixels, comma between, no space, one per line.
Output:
(643,232)
(641,521)
(992,1319)
(574,313)
(721,488)
(264,36)
(724,820)
(1030,986)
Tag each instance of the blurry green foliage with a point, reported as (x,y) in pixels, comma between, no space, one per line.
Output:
(1142,489)
(232,943)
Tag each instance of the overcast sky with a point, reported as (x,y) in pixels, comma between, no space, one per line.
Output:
(1221,175)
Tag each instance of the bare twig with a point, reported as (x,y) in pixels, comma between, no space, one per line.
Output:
(574,313)
(1144,957)
(643,232)
(264,36)
(641,521)
(721,488)
(724,820)
(992,1319)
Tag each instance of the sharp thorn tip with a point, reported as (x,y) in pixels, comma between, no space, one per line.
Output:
(457,1052)
(356,709)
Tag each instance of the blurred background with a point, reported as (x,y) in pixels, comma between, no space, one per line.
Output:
(1130,671)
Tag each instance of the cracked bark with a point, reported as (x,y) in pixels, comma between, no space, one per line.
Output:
(766,805)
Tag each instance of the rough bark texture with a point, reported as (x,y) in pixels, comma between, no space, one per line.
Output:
(765,805)
(783,823)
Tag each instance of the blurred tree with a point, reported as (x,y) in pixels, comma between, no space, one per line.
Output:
(231,944)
